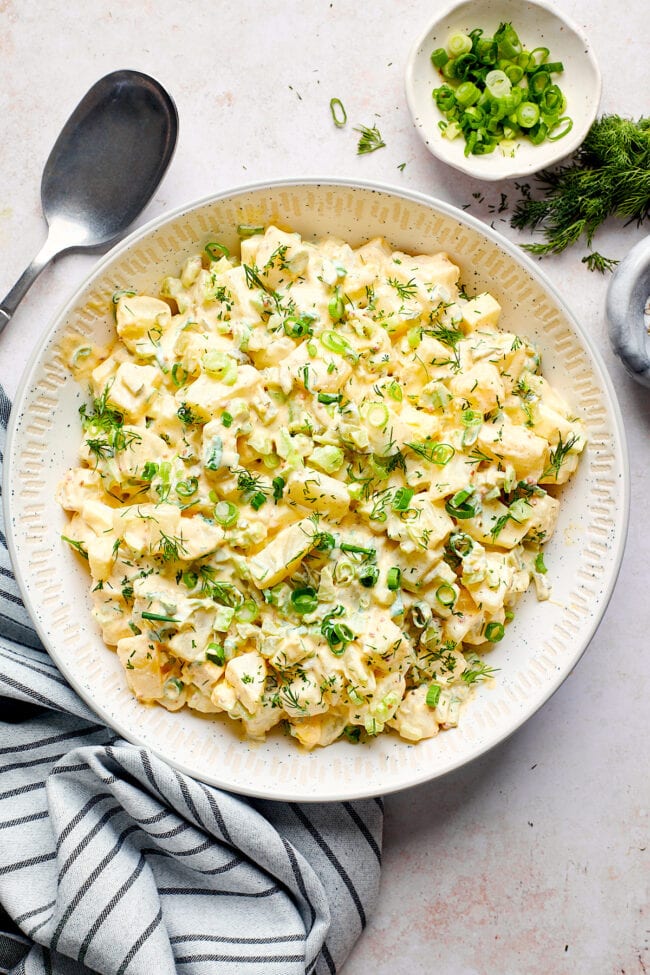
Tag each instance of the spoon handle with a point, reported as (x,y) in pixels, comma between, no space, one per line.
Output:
(11,301)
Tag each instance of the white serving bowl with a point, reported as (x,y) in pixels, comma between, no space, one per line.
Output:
(539,25)
(540,647)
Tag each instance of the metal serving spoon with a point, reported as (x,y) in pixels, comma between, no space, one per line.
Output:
(628,311)
(103,170)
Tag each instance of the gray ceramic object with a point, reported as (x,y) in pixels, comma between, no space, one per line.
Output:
(627,301)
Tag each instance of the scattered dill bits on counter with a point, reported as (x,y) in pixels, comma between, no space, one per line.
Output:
(608,176)
(370,140)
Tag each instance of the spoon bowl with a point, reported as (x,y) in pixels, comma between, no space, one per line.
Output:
(103,169)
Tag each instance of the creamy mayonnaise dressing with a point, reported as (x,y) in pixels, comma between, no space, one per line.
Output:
(313,483)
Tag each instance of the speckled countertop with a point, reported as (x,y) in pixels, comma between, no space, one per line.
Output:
(535,859)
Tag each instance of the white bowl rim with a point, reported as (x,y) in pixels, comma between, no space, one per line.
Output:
(416,196)
(567,145)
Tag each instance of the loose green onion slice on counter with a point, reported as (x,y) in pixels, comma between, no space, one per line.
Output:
(494,632)
(496,92)
(304,600)
(339,115)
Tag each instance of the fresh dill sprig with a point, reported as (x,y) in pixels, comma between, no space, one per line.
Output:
(598,262)
(370,139)
(558,455)
(405,291)
(609,176)
(448,336)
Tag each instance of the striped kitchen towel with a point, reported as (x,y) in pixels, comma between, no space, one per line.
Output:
(113,862)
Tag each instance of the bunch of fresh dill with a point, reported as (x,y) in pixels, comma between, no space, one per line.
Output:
(609,176)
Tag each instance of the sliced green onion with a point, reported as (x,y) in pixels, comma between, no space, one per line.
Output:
(421,615)
(220,366)
(245,230)
(433,695)
(304,600)
(394,578)
(459,44)
(123,293)
(173,688)
(395,391)
(567,124)
(462,505)
(247,612)
(216,654)
(149,471)
(527,115)
(498,84)
(376,415)
(336,343)
(188,487)
(339,115)
(329,458)
(539,564)
(494,632)
(329,398)
(402,498)
(414,336)
(336,306)
(439,57)
(257,500)
(368,575)
(461,544)
(226,514)
(297,328)
(226,419)
(215,250)
(446,595)
(440,453)
(180,375)
(358,549)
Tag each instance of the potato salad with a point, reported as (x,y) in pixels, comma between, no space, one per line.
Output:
(313,482)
